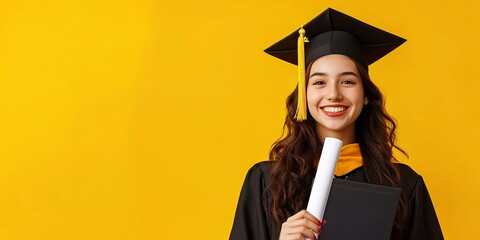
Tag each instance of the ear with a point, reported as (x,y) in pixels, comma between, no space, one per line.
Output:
(365,101)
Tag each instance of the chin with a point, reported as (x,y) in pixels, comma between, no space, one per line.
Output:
(333,127)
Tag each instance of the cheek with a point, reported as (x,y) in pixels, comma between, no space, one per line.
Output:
(356,96)
(358,100)
(312,97)
(313,100)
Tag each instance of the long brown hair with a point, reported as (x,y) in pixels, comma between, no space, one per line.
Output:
(297,152)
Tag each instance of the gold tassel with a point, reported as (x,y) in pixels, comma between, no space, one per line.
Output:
(301,113)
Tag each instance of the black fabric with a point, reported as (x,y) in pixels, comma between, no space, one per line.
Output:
(360,211)
(335,42)
(370,43)
(251,220)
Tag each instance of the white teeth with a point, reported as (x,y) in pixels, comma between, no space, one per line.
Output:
(333,109)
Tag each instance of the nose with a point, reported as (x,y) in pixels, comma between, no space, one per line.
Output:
(333,93)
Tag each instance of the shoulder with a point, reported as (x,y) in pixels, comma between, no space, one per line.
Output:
(259,174)
(251,217)
(260,169)
(263,167)
(411,180)
(407,172)
(421,221)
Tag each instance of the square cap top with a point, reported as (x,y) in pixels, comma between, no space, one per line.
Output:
(333,32)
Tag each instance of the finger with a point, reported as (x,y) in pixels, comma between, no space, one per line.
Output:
(293,232)
(312,218)
(304,231)
(304,222)
(297,236)
(298,215)
(304,214)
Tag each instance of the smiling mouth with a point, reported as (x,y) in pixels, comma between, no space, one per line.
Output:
(334,109)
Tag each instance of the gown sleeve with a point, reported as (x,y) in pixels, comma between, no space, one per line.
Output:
(424,224)
(250,222)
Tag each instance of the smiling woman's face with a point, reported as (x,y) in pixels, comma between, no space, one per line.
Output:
(335,96)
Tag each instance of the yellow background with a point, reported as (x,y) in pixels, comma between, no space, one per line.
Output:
(139,119)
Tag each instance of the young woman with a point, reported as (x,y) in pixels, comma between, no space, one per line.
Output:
(334,98)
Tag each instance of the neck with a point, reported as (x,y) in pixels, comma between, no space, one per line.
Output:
(346,135)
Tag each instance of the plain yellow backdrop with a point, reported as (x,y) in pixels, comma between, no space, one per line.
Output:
(139,119)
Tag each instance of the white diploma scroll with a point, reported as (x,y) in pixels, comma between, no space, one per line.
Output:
(324,177)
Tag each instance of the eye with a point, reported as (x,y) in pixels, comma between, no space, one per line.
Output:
(318,82)
(348,82)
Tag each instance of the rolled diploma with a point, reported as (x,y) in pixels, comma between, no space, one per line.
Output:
(324,177)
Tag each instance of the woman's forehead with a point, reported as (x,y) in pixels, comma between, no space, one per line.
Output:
(334,63)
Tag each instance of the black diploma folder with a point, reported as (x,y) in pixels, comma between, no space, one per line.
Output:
(357,210)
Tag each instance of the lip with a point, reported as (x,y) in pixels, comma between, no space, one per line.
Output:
(334,110)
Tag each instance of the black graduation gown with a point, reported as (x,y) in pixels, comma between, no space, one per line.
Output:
(252,222)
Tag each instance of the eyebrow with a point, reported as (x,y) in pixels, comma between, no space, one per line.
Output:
(341,74)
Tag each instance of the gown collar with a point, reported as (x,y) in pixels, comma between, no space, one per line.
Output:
(349,159)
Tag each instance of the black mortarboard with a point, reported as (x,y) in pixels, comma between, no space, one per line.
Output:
(332,32)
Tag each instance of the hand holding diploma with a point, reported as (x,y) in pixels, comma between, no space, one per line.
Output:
(302,224)
(307,223)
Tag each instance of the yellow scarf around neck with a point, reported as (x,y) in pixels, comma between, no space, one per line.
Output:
(350,158)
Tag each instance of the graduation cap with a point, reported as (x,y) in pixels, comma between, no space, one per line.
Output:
(332,32)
